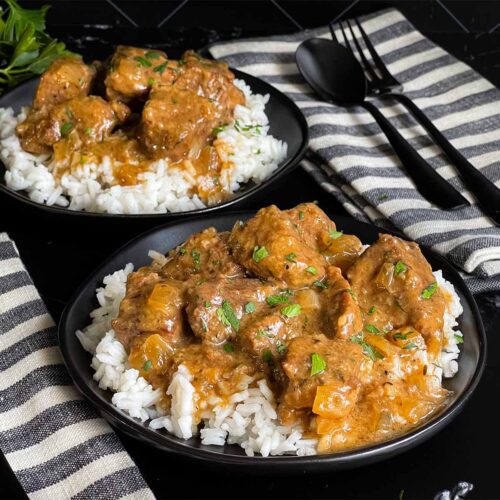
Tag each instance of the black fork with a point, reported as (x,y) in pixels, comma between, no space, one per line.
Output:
(382,83)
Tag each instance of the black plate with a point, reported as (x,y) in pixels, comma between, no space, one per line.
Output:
(162,239)
(286,122)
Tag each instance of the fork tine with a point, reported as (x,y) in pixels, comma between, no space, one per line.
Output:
(332,32)
(376,58)
(364,61)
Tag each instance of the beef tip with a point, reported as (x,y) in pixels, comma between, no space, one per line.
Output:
(151,305)
(389,280)
(208,303)
(312,224)
(212,80)
(64,79)
(87,119)
(344,362)
(204,255)
(133,71)
(269,245)
(343,315)
(176,123)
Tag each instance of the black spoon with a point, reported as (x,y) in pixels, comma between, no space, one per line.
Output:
(336,76)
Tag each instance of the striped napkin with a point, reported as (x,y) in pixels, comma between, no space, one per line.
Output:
(356,162)
(54,441)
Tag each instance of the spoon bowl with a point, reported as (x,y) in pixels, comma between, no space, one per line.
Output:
(319,61)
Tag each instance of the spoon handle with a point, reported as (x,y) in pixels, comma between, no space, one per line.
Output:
(430,184)
(487,194)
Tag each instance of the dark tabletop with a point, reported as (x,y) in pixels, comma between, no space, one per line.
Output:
(60,253)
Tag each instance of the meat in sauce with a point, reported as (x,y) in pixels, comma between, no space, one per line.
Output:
(341,356)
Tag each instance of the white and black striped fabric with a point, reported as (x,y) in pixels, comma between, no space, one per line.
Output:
(359,167)
(54,441)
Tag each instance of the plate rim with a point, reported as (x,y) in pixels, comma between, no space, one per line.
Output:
(290,164)
(347,459)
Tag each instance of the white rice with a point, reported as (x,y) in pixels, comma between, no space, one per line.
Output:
(245,145)
(249,420)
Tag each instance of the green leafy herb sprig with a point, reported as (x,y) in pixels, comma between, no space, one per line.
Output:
(26,50)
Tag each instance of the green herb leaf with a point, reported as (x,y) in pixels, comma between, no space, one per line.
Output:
(400,336)
(410,345)
(220,128)
(335,234)
(66,128)
(88,130)
(429,291)
(372,329)
(459,339)
(291,311)
(290,257)
(208,304)
(249,307)
(280,347)
(143,61)
(372,353)
(227,316)
(351,293)
(160,68)
(147,365)
(320,284)
(264,333)
(372,310)
(182,250)
(318,364)
(267,356)
(259,253)
(400,267)
(274,300)
(152,55)
(312,270)
(197,259)
(228,347)
(301,215)
(151,82)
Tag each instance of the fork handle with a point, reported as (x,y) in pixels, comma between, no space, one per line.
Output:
(430,184)
(487,194)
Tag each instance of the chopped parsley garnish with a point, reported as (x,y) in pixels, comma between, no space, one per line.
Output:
(351,293)
(372,329)
(182,250)
(429,291)
(280,347)
(147,365)
(88,130)
(267,355)
(264,333)
(227,316)
(142,61)
(372,310)
(204,325)
(400,336)
(312,270)
(246,128)
(197,259)
(228,347)
(291,311)
(318,364)
(291,257)
(199,282)
(459,339)
(410,345)
(372,353)
(208,304)
(259,253)
(249,307)
(66,128)
(274,300)
(152,55)
(400,267)
(160,68)
(320,284)
(220,128)
(335,234)
(151,82)
(301,215)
